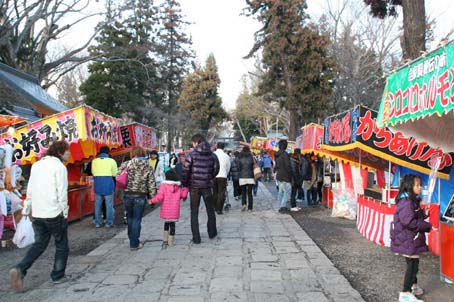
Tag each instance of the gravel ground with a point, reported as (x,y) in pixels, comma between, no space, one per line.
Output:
(83,238)
(373,270)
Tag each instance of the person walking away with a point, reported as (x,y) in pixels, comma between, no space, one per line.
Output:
(104,169)
(170,193)
(320,175)
(306,168)
(220,181)
(235,172)
(255,187)
(246,181)
(267,164)
(157,167)
(295,164)
(141,185)
(199,169)
(407,234)
(314,180)
(47,194)
(283,172)
(173,161)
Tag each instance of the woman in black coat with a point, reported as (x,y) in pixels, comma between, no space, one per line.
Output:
(246,170)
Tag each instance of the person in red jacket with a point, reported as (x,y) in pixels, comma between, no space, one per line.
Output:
(170,193)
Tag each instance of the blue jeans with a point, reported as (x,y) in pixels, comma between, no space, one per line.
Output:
(255,187)
(109,209)
(44,228)
(134,205)
(284,193)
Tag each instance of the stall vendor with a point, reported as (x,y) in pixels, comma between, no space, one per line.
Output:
(9,178)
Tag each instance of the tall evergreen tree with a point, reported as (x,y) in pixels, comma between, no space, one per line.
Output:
(173,54)
(297,68)
(119,81)
(199,98)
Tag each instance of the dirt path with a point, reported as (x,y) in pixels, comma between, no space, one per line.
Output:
(371,269)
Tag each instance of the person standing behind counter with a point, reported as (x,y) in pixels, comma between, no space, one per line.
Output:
(104,169)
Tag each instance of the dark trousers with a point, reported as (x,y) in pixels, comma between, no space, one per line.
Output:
(297,191)
(134,205)
(246,192)
(220,185)
(170,227)
(320,191)
(196,194)
(266,174)
(312,196)
(236,188)
(410,273)
(44,228)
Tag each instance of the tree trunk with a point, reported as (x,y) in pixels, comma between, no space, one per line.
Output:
(414,38)
(293,128)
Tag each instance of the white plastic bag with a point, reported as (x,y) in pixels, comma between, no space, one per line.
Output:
(344,204)
(24,235)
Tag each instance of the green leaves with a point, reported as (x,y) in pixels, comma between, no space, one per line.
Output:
(294,56)
(199,98)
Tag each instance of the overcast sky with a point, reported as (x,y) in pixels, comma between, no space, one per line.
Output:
(218,28)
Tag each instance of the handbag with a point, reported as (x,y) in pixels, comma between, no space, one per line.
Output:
(257,170)
(122,179)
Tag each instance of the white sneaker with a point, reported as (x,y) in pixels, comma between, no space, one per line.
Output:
(408,297)
(295,209)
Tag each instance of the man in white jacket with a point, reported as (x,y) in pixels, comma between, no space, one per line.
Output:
(47,197)
(220,183)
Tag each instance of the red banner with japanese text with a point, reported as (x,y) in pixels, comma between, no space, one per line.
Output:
(357,129)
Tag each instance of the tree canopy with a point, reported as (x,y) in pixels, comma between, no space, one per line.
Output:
(298,70)
(199,99)
(29,27)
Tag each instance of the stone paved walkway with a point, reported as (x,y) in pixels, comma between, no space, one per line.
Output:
(260,256)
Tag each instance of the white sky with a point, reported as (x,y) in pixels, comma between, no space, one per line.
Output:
(218,28)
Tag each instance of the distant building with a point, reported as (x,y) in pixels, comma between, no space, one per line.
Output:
(22,96)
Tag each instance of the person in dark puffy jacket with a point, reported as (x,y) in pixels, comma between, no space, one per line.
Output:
(407,233)
(200,168)
(247,181)
(235,173)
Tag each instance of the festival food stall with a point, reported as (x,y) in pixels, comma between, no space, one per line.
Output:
(310,142)
(132,135)
(355,133)
(269,145)
(418,101)
(86,130)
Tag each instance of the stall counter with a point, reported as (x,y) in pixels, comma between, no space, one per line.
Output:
(374,219)
(81,202)
(447,250)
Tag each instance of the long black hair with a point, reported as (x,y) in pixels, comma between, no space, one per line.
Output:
(406,188)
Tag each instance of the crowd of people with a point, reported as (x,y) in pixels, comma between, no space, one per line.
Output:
(202,174)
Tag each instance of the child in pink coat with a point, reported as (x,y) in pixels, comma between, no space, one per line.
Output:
(170,193)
